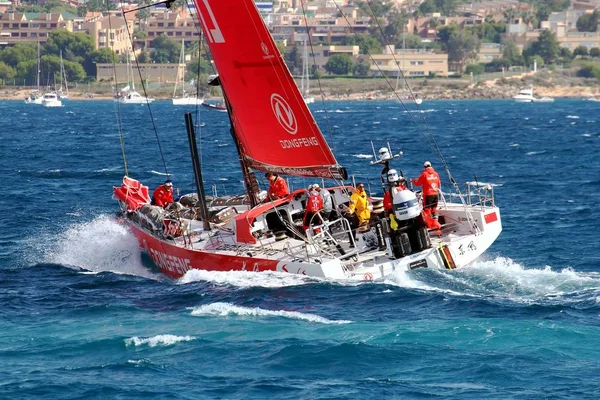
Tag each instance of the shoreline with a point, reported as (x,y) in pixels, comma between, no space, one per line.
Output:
(471,92)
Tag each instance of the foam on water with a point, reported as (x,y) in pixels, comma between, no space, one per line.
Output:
(243,279)
(503,278)
(158,340)
(228,309)
(98,245)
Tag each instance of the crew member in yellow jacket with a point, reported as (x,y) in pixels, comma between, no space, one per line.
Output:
(359,204)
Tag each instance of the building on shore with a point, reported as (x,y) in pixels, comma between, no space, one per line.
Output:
(413,63)
(150,73)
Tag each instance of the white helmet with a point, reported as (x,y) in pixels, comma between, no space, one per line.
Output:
(426,164)
(384,154)
(392,176)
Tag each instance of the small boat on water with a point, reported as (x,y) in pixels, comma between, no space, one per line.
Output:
(275,131)
(526,96)
(51,100)
(216,106)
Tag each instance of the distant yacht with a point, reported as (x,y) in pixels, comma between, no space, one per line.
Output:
(51,100)
(526,96)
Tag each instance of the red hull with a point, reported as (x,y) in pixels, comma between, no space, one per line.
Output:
(175,261)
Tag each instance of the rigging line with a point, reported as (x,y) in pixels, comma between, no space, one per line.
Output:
(379,69)
(146,95)
(312,51)
(117,105)
(431,140)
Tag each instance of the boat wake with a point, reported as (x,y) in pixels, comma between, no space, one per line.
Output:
(228,309)
(99,245)
(503,279)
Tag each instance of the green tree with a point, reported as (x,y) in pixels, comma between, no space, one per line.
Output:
(497,65)
(476,69)
(361,69)
(589,71)
(197,67)
(374,8)
(511,53)
(588,22)
(427,7)
(461,45)
(74,71)
(293,59)
(7,73)
(27,71)
(164,50)
(75,46)
(339,64)
(546,47)
(367,43)
(594,52)
(580,51)
(12,56)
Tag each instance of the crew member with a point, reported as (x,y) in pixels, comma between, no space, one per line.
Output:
(359,204)
(328,212)
(278,187)
(430,180)
(163,195)
(313,206)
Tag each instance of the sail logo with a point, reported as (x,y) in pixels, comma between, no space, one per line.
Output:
(213,34)
(284,114)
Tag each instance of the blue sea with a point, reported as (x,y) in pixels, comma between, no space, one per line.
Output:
(84,315)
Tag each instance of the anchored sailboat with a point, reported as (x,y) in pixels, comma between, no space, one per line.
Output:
(185,99)
(274,131)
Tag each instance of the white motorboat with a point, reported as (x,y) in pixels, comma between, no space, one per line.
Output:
(526,96)
(51,100)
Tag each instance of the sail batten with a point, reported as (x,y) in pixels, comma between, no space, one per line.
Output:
(270,118)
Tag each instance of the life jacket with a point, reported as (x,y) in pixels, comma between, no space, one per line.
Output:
(314,203)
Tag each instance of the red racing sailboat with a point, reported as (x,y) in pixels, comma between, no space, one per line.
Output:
(274,131)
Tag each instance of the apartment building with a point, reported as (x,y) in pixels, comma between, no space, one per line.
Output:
(108,31)
(567,19)
(178,25)
(286,27)
(18,27)
(585,4)
(318,57)
(413,63)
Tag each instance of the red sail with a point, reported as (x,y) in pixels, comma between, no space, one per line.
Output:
(270,118)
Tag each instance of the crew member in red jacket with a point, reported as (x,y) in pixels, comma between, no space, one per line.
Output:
(314,204)
(278,187)
(163,195)
(430,180)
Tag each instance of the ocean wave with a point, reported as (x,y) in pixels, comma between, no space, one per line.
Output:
(362,155)
(503,278)
(227,309)
(158,340)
